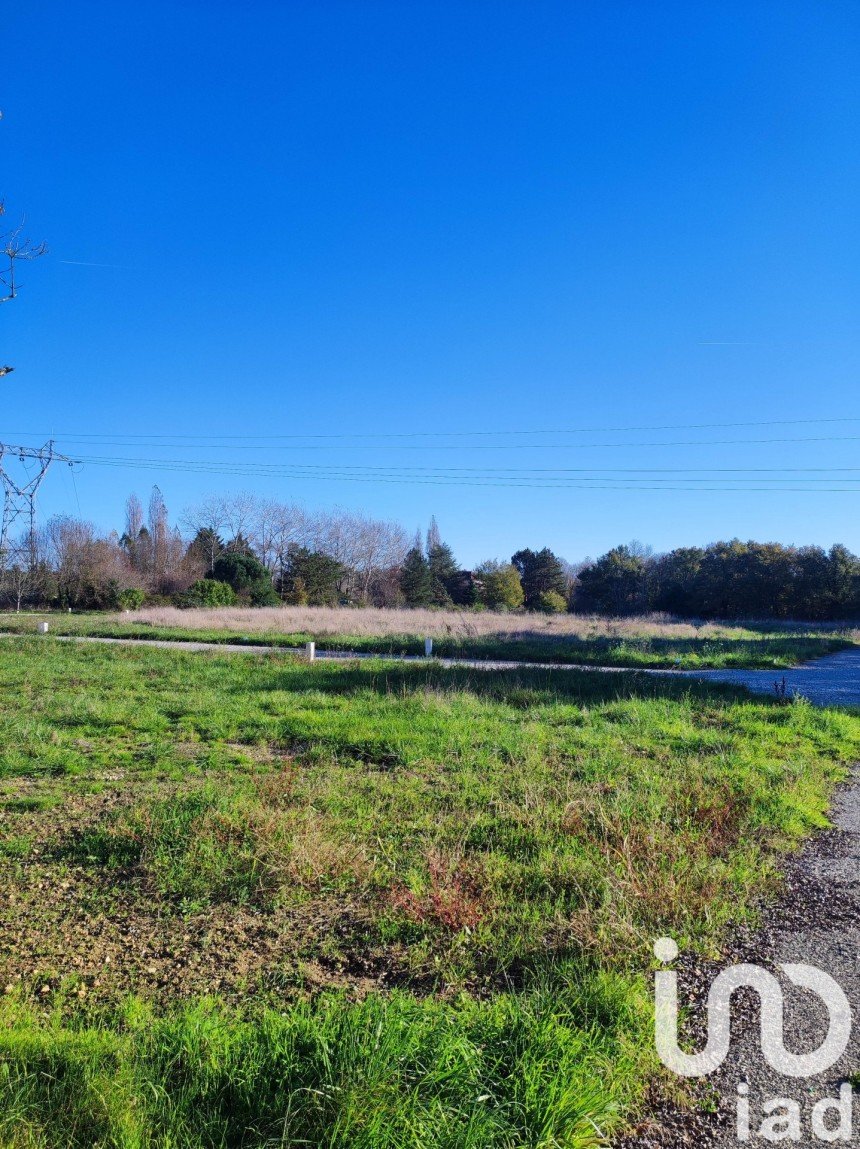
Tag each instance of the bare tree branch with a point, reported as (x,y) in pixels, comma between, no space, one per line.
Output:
(16,248)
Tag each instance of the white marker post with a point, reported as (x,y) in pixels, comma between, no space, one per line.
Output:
(311,650)
(42,628)
(428,647)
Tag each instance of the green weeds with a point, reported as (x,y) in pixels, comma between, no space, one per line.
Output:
(501,846)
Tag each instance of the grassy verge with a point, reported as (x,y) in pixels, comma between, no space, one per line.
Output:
(737,647)
(257,903)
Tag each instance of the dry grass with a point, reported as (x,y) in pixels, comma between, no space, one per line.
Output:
(370,622)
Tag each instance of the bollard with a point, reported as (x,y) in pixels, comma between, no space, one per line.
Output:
(311,650)
(42,628)
(428,647)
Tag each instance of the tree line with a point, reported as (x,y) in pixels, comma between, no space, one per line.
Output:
(263,552)
(726,580)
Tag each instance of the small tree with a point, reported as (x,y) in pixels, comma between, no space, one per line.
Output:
(551,602)
(248,578)
(500,586)
(311,577)
(539,571)
(415,581)
(22,580)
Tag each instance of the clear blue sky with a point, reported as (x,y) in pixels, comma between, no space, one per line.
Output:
(364,218)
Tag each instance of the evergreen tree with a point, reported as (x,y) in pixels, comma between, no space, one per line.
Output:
(415,580)
(206,548)
(446,586)
(248,578)
(239,545)
(443,571)
(311,577)
(539,571)
(615,584)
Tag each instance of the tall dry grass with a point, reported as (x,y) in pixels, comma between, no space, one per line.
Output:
(371,622)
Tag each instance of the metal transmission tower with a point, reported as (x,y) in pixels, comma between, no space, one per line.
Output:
(19,498)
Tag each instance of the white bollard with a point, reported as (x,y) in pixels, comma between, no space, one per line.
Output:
(42,628)
(428,647)
(311,650)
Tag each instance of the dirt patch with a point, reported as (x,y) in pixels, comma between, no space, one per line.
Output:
(72,930)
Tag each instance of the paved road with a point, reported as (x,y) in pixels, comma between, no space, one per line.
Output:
(830,681)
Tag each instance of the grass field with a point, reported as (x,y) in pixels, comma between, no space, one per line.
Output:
(261,903)
(637,642)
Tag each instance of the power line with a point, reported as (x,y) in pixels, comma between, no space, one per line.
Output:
(571,484)
(377,468)
(340,436)
(496,446)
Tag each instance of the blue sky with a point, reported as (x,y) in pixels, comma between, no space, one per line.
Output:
(377,219)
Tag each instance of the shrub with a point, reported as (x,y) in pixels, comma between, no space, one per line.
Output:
(551,602)
(501,586)
(131,598)
(262,593)
(247,576)
(208,592)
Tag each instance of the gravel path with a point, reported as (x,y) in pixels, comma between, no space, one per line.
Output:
(830,681)
(815,922)
(833,680)
(334,655)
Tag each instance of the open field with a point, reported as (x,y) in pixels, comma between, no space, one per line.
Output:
(259,903)
(651,642)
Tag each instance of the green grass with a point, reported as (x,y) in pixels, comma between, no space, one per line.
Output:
(476,861)
(741,647)
(394,1071)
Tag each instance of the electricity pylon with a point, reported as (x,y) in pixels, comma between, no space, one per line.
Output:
(19,498)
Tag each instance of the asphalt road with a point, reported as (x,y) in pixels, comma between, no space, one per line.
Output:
(830,681)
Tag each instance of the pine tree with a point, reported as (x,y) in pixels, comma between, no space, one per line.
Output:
(415,581)
(442,565)
(443,569)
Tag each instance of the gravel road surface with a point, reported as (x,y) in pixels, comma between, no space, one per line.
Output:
(830,681)
(816,922)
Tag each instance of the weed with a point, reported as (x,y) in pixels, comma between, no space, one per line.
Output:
(234,836)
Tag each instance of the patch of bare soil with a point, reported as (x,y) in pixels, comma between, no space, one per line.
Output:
(87,932)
